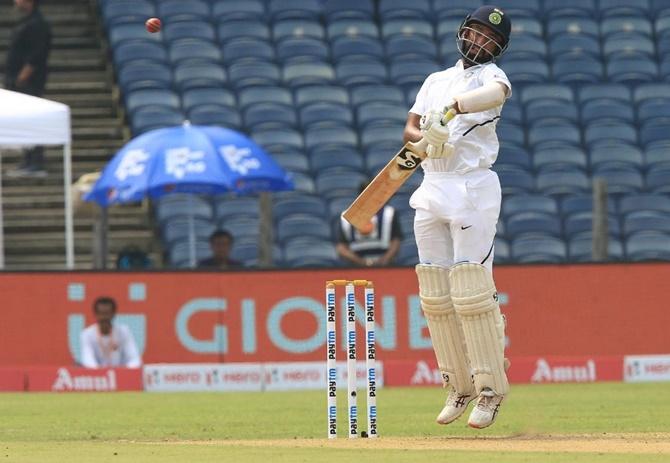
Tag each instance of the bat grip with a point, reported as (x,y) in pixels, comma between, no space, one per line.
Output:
(449,115)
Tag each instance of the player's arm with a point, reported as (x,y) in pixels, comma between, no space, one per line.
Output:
(488,96)
(412,131)
(87,358)
(344,251)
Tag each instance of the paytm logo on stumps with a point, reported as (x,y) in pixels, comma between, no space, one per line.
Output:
(332,382)
(332,420)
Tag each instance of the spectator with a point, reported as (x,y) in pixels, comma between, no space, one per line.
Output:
(379,247)
(221,242)
(105,344)
(26,71)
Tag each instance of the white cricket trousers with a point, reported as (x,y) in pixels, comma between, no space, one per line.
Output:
(456,217)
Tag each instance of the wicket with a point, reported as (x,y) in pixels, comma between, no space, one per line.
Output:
(370,351)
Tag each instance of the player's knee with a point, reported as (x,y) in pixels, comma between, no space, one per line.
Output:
(472,288)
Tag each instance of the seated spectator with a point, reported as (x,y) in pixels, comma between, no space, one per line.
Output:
(221,242)
(133,258)
(105,344)
(378,247)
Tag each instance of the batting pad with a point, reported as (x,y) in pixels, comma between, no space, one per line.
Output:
(476,301)
(445,328)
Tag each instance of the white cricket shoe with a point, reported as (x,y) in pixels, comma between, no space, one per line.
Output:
(454,406)
(486,410)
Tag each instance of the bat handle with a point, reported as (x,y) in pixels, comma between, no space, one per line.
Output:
(449,115)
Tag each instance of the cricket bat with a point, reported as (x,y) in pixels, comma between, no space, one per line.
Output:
(388,181)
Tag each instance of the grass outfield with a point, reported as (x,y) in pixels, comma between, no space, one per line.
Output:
(605,423)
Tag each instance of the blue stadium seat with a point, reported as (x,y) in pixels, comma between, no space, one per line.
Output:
(612,26)
(656,155)
(179,10)
(178,229)
(545,92)
(574,43)
(306,49)
(647,220)
(578,8)
(623,44)
(333,157)
(562,182)
(300,204)
(621,180)
(135,31)
(410,47)
(515,204)
(379,112)
(632,68)
(407,28)
(607,90)
(376,157)
(241,227)
(394,9)
(654,131)
(212,95)
(222,116)
(512,112)
(302,225)
(547,131)
(447,29)
(644,202)
(607,129)
(381,134)
(183,205)
(325,135)
(303,183)
(319,113)
(297,28)
(532,222)
(522,26)
(260,95)
(658,180)
(227,10)
(352,28)
(190,75)
(188,30)
(616,154)
(247,48)
(577,68)
(648,246)
(526,71)
(383,93)
(651,109)
(194,49)
(244,74)
(292,160)
(151,98)
(580,249)
(538,249)
(577,203)
(293,9)
(515,180)
(270,116)
(555,109)
(574,25)
(231,206)
(338,204)
(501,251)
(662,24)
(144,51)
(308,73)
(654,91)
(412,71)
(249,254)
(238,28)
(321,93)
(310,253)
(607,109)
(361,72)
(334,10)
(118,12)
(358,46)
(180,253)
(625,8)
(560,158)
(336,182)
(280,139)
(454,8)
(144,120)
(514,156)
(510,135)
(527,47)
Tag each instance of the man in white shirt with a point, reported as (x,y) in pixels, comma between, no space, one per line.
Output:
(457,208)
(105,344)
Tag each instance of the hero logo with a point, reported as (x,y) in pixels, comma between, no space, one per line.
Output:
(545,373)
(407,160)
(105,381)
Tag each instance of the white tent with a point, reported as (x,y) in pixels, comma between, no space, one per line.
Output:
(27,121)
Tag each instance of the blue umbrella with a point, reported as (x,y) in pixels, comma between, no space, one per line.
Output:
(187,159)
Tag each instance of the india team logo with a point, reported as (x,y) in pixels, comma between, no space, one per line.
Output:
(495,18)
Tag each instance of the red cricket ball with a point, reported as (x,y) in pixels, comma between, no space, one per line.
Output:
(153,25)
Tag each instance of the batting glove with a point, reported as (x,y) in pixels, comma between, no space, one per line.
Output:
(428,119)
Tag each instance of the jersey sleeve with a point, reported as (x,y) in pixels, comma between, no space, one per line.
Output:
(492,73)
(130,353)
(421,103)
(87,358)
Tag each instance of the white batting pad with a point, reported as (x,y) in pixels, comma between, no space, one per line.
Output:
(444,326)
(476,301)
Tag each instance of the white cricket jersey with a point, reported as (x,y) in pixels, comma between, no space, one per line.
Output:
(116,349)
(473,135)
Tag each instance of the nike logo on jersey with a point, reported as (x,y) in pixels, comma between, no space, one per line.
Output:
(465,228)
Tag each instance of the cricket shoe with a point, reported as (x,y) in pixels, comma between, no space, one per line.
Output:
(454,406)
(486,410)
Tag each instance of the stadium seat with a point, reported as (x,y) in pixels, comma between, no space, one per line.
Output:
(230,206)
(546,131)
(132,31)
(243,74)
(393,9)
(384,134)
(235,29)
(147,119)
(576,203)
(183,205)
(515,180)
(180,253)
(574,43)
(300,204)
(606,130)
(538,249)
(646,220)
(516,204)
(621,180)
(249,254)
(177,10)
(577,8)
(410,72)
(562,182)
(532,222)
(325,113)
(523,25)
(303,183)
(358,46)
(577,67)
(632,68)
(553,109)
(651,109)
(607,108)
(338,182)
(293,9)
(527,47)
(278,139)
(312,94)
(247,48)
(352,28)
(616,154)
(654,131)
(580,249)
(151,98)
(302,49)
(130,51)
(198,75)
(213,95)
(144,75)
(382,93)
(297,28)
(623,44)
(118,12)
(658,180)
(514,156)
(410,47)
(310,253)
(361,72)
(333,157)
(454,8)
(188,30)
(644,202)
(227,10)
(526,71)
(334,10)
(302,225)
(581,224)
(292,160)
(625,8)
(376,112)
(222,116)
(179,228)
(625,24)
(554,158)
(648,246)
(308,73)
(330,135)
(264,94)
(574,25)
(194,49)
(607,90)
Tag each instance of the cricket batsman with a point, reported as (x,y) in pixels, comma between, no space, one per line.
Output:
(457,207)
